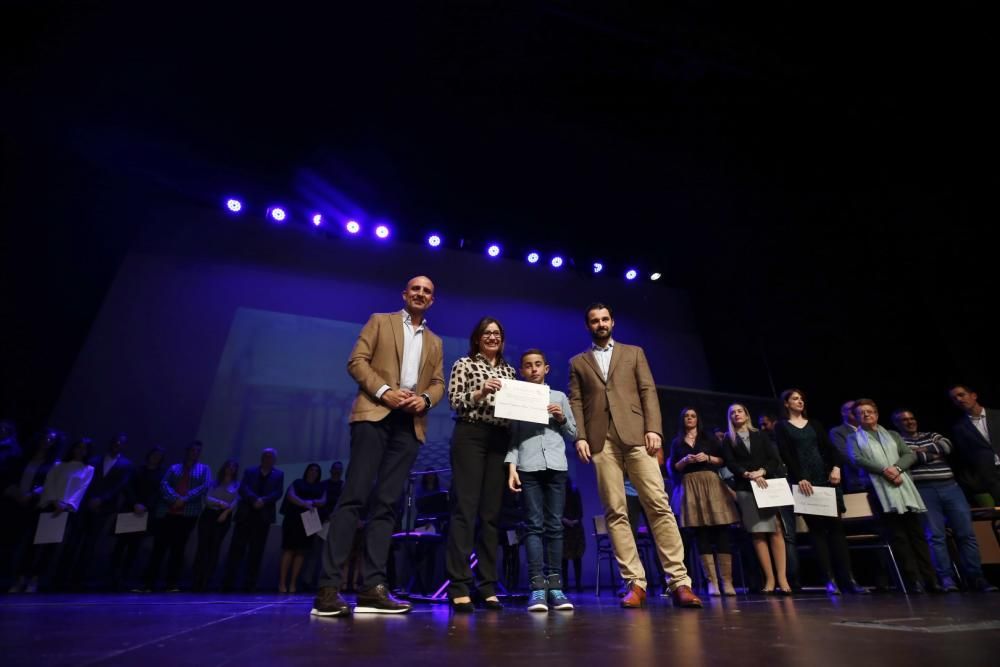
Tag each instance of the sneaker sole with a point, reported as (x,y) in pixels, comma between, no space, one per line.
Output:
(538,607)
(566,606)
(336,612)
(378,610)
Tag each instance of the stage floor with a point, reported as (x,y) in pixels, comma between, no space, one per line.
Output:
(179,629)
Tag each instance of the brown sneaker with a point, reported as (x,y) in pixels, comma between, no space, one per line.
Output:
(329,603)
(684,597)
(635,598)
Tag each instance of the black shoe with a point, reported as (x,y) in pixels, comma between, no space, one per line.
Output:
(854,588)
(378,600)
(831,588)
(463,607)
(329,603)
(936,588)
(493,605)
(916,588)
(983,586)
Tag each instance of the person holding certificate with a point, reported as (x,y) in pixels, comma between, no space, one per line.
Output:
(701,500)
(752,458)
(214,522)
(306,493)
(478,447)
(813,461)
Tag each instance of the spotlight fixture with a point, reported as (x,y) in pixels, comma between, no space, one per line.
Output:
(655,276)
(352,227)
(557,261)
(434,240)
(631,274)
(533,258)
(493,250)
(277,214)
(317,219)
(598,267)
(382,232)
(234,205)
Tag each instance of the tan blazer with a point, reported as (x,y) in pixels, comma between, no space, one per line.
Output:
(377,359)
(628,397)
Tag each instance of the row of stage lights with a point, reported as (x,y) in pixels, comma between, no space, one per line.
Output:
(382,232)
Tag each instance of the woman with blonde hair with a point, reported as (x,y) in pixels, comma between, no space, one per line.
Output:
(752,458)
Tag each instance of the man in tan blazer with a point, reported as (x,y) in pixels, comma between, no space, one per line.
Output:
(399,367)
(617,411)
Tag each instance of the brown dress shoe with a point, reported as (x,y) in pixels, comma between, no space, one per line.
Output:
(635,598)
(684,597)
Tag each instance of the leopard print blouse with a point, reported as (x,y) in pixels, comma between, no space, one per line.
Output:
(468,374)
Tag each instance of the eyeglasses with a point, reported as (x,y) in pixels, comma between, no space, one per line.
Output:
(493,334)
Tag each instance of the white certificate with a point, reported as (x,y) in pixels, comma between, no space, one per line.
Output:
(523,401)
(51,528)
(823,501)
(777,493)
(311,522)
(324,531)
(129,522)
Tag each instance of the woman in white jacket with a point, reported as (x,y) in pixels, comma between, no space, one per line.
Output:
(64,488)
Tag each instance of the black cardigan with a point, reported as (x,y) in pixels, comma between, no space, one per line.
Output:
(762,454)
(786,449)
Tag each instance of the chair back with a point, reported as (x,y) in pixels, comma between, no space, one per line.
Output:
(857,506)
(600,525)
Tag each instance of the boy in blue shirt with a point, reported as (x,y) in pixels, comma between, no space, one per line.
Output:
(538,468)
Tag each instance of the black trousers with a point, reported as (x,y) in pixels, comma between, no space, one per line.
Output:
(211,533)
(382,454)
(171,536)
(906,534)
(477,482)
(249,539)
(126,551)
(74,563)
(830,544)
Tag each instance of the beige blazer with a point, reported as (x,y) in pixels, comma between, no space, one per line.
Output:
(377,359)
(628,397)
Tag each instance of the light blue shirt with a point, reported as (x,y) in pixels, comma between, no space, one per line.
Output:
(603,356)
(413,346)
(535,447)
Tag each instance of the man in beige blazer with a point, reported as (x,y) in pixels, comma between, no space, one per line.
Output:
(617,411)
(399,367)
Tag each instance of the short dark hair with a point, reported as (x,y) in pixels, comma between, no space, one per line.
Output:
(533,350)
(597,305)
(863,401)
(899,411)
(962,386)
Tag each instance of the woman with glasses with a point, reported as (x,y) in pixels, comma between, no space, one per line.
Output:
(478,447)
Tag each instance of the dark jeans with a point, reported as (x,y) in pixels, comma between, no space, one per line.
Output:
(211,533)
(74,563)
(126,550)
(171,536)
(787,516)
(544,495)
(830,544)
(906,533)
(477,483)
(249,539)
(382,454)
(947,504)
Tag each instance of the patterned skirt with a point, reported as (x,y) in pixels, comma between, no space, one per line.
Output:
(701,499)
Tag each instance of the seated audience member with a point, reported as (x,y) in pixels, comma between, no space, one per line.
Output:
(141,497)
(260,490)
(852,478)
(214,522)
(65,486)
(752,458)
(945,502)
(887,459)
(112,473)
(574,538)
(813,461)
(182,498)
(977,444)
(304,494)
(701,500)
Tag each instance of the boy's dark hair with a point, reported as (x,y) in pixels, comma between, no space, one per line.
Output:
(534,350)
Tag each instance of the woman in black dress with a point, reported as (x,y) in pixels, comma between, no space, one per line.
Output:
(303,495)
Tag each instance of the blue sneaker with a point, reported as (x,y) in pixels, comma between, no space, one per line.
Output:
(537,600)
(559,600)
